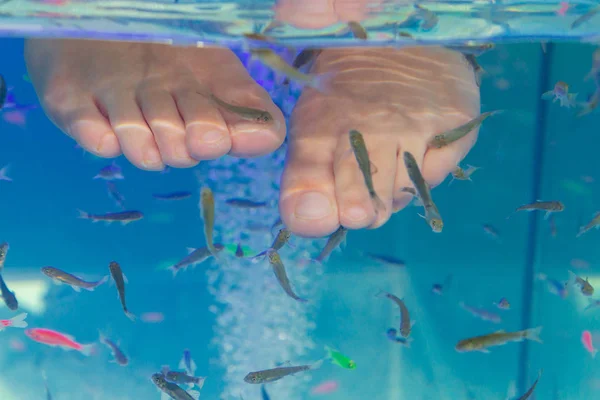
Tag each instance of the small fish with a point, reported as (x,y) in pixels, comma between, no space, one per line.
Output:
(124,217)
(439,288)
(239,251)
(584,285)
(182,378)
(405,322)
(478,71)
(17,321)
(532,388)
(585,17)
(386,259)
(172,390)
(245,203)
(472,48)
(554,286)
(274,61)
(4,247)
(280,274)
(187,363)
(247,113)
(338,237)
(181,195)
(4,174)
(586,340)
(498,338)
(460,174)
(548,206)
(114,194)
(3,91)
(110,172)
(491,231)
(481,313)
(207,205)
(326,387)
(54,338)
(118,356)
(339,359)
(561,92)
(357,30)
(303,58)
(392,334)
(275,374)
(432,214)
(195,257)
(9,297)
(502,304)
(452,135)
(283,237)
(120,280)
(357,142)
(76,283)
(594,223)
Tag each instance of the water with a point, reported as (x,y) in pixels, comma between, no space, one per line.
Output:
(234,317)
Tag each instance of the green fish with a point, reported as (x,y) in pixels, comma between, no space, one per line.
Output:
(338,358)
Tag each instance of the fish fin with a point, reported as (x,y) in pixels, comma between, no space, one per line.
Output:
(412,323)
(18,321)
(190,249)
(422,216)
(594,351)
(317,364)
(374,169)
(451,180)
(322,82)
(174,270)
(100,282)
(88,349)
(130,315)
(4,174)
(125,278)
(548,95)
(181,364)
(378,203)
(164,369)
(534,334)
(76,288)
(500,331)
(194,394)
(572,278)
(83,214)
(125,222)
(486,351)
(193,367)
(547,215)
(164,396)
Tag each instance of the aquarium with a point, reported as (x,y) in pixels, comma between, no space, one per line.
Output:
(299,199)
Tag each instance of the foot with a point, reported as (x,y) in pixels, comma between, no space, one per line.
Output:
(143,100)
(398,100)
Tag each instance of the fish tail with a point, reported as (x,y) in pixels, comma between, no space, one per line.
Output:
(174,270)
(381,293)
(572,278)
(19,321)
(533,334)
(548,95)
(378,203)
(322,82)
(88,349)
(4,174)
(318,364)
(130,315)
(199,381)
(594,351)
(96,284)
(83,214)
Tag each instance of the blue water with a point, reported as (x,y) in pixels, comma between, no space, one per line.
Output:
(234,318)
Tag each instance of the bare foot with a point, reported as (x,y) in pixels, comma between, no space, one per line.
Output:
(142,100)
(399,100)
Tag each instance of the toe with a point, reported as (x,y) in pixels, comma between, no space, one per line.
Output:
(207,136)
(91,130)
(162,116)
(135,137)
(357,209)
(307,202)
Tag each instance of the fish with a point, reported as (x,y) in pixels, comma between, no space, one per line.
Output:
(338,237)
(3,91)
(460,174)
(281,275)
(548,206)
(114,194)
(239,251)
(172,390)
(392,334)
(481,313)
(532,388)
(561,93)
(432,214)
(110,172)
(452,135)
(275,374)
(4,247)
(586,340)
(472,48)
(405,322)
(9,297)
(274,61)
(554,286)
(498,338)
(182,378)
(478,71)
(595,71)
(120,280)
(358,31)
(339,359)
(57,339)
(283,237)
(386,259)
(592,102)
(245,203)
(195,257)
(491,231)
(502,304)
(207,205)
(187,363)
(594,223)
(18,321)
(118,356)
(585,17)
(180,195)
(263,393)
(124,217)
(76,283)
(359,148)
(247,113)
(4,174)
(440,288)
(303,58)
(584,285)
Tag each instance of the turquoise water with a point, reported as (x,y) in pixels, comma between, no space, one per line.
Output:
(233,317)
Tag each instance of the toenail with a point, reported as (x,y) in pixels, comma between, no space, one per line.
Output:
(212,137)
(313,205)
(356,214)
(105,142)
(152,158)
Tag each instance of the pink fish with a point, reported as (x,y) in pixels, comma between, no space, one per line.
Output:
(326,387)
(564,7)
(152,317)
(586,340)
(54,338)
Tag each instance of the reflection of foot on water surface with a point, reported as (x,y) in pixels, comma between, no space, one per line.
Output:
(142,100)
